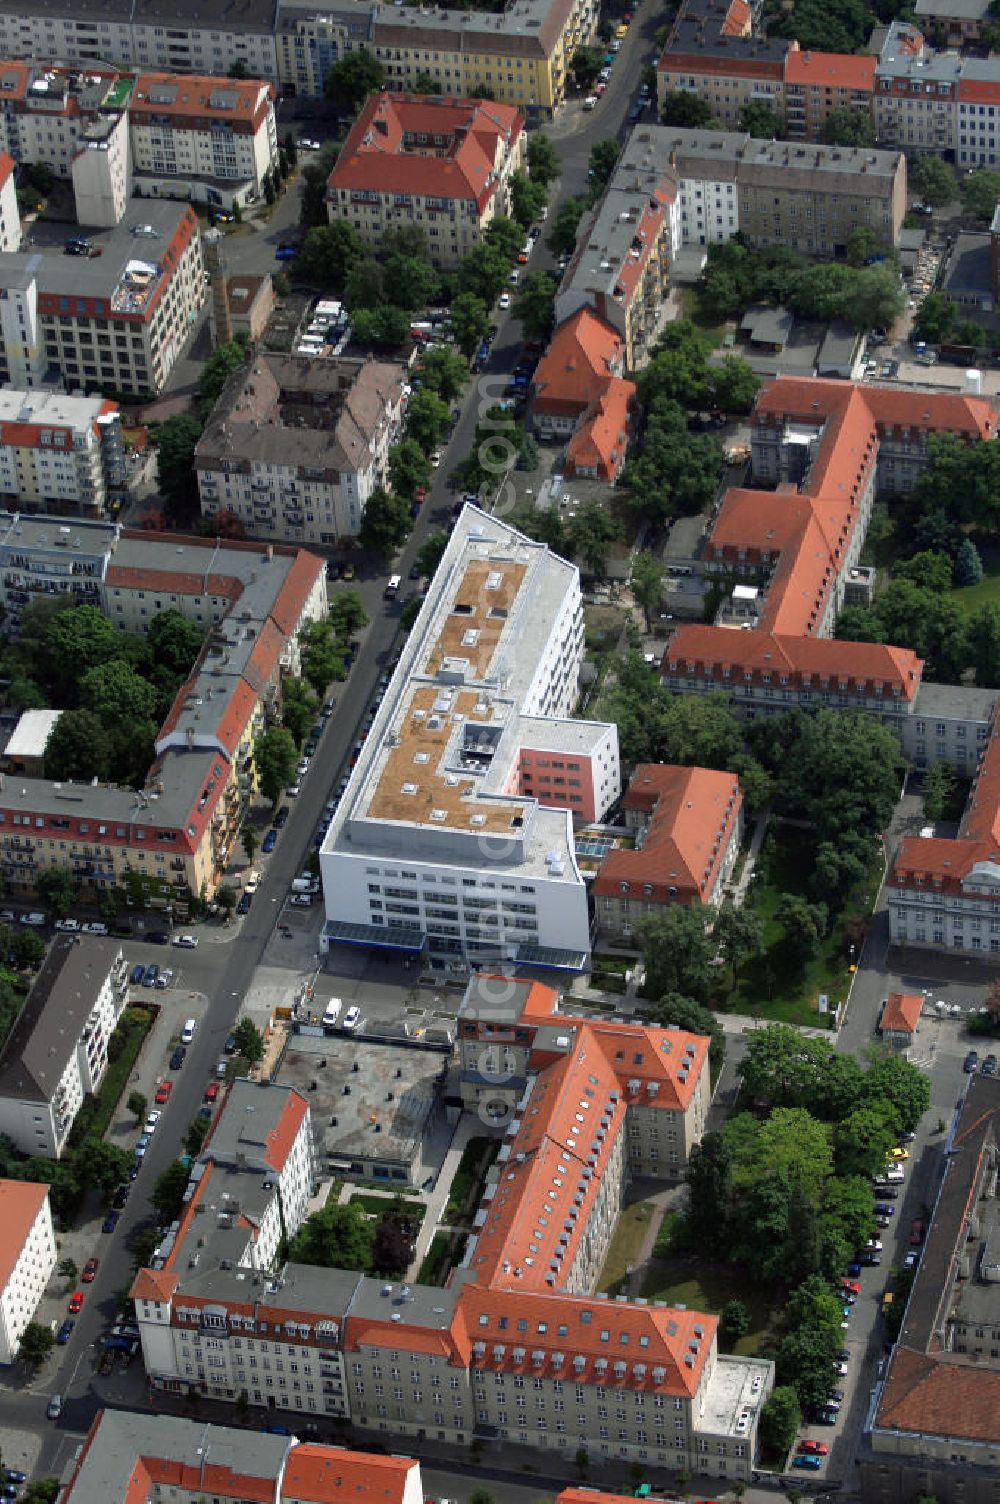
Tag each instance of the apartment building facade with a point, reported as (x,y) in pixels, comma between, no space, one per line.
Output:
(59,454)
(210,139)
(621,266)
(27,1258)
(196,37)
(118,319)
(443,164)
(932,1427)
(252,602)
(508,1350)
(456,829)
(295,446)
(57,1051)
(10,214)
(688,824)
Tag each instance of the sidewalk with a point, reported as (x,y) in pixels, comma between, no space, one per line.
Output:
(437,1198)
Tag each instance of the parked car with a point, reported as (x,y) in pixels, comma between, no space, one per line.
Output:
(186,942)
(971,1062)
(54,1409)
(89,1271)
(151,1122)
(916,1232)
(281,818)
(809,1462)
(76,1302)
(211,1091)
(141,1145)
(110,1222)
(990,1065)
(814,1448)
(229,1048)
(243,907)
(150,975)
(163,1092)
(269,842)
(158,937)
(65,1332)
(67,926)
(120,1197)
(138,972)
(177,1058)
(351,1018)
(164,979)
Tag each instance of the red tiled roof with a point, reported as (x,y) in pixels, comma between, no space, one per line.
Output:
(583,354)
(600,442)
(20,1203)
(946,861)
(738,20)
(928,1394)
(978,91)
(817,661)
(157,1285)
(332,1475)
(7,166)
(299,584)
(246,104)
(901,1013)
(377,158)
(281,1138)
(693,812)
(831,70)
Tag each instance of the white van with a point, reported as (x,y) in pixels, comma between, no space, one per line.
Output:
(332,1013)
(304,884)
(187,1033)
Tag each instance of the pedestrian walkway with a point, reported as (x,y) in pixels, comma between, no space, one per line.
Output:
(667,1198)
(468,1126)
(738,891)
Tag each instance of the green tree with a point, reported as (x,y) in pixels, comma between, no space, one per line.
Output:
(167,1193)
(603,157)
(195,1136)
(535,305)
(876,299)
(27,948)
(685,108)
(322,662)
(562,236)
(298,702)
(249,1041)
(675,472)
(174,641)
(821,291)
(758,119)
(430,552)
(483,273)
(984,645)
(444,372)
(275,757)
(329,254)
(894,1080)
(469,317)
(839,770)
(647,584)
(248,840)
(347,613)
(78,748)
(427,419)
(395,1241)
(383,328)
(804,925)
(805,1362)
(968,564)
(927,570)
(409,467)
(848,127)
(677,951)
(351,80)
(58,890)
(385,523)
(543,159)
(137,1105)
(410,281)
(114,689)
(934,320)
(739,934)
(337,1237)
(933,179)
(780,1419)
(979,192)
(589,534)
(736,384)
(67,1270)
(710,1193)
(940,784)
(424,84)
(684,1013)
(862,1140)
(175,441)
(220,365)
(504,235)
(35,1345)
(527,198)
(734,1322)
(585,64)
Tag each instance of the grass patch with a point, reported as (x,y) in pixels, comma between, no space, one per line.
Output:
(441,1257)
(687,1280)
(772,985)
(470,1177)
(377,1206)
(692,307)
(985,593)
(626,1244)
(97,1111)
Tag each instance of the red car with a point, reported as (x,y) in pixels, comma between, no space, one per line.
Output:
(851,1285)
(420,494)
(916,1232)
(813,1448)
(89,1270)
(76,1302)
(163,1092)
(211,1091)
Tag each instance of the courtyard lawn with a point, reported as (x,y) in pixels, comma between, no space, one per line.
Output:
(687,1280)
(377,1206)
(625,1246)
(771,985)
(691,308)
(986,593)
